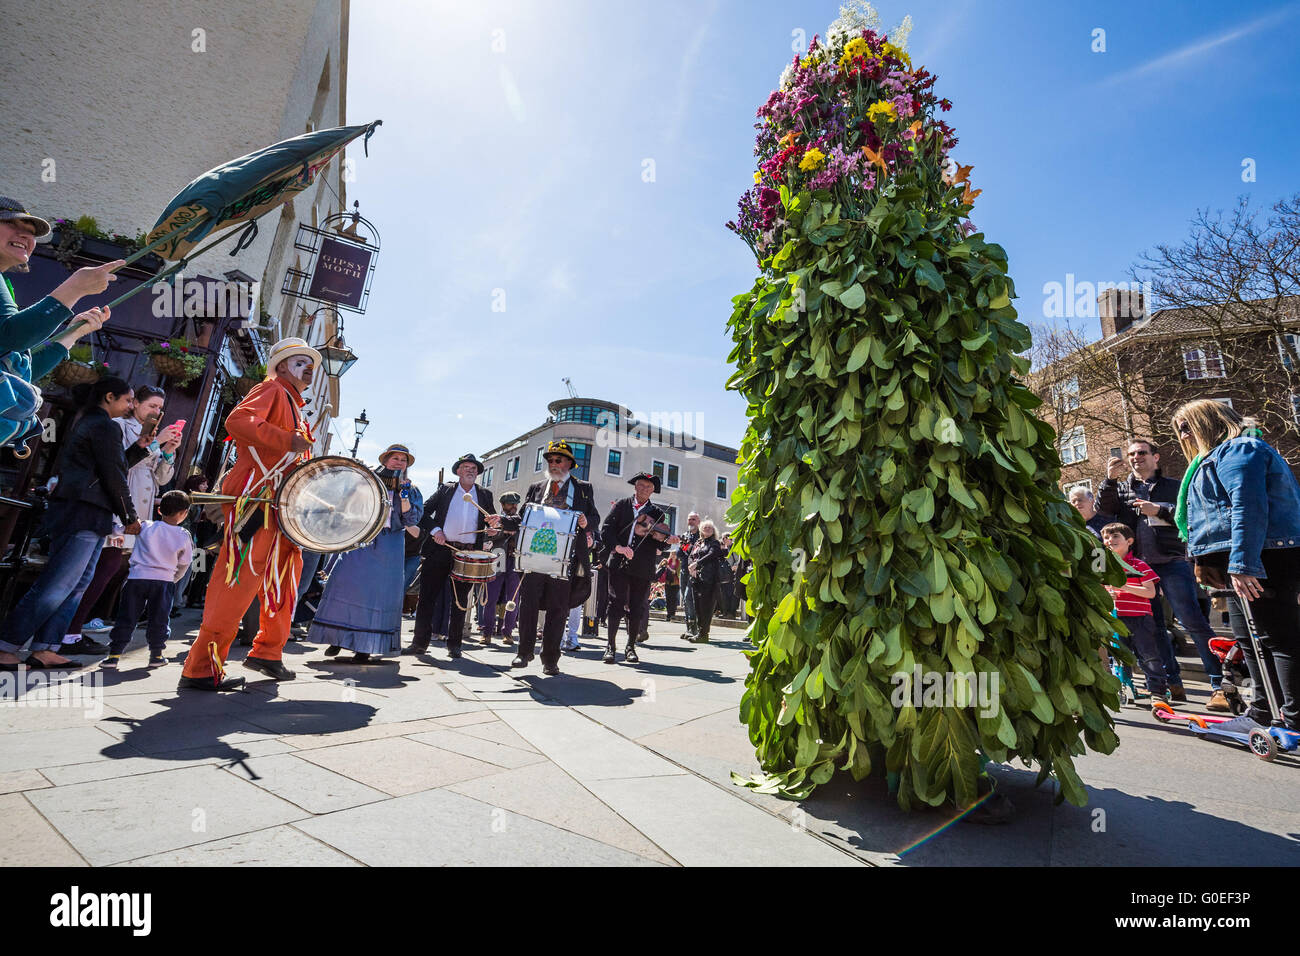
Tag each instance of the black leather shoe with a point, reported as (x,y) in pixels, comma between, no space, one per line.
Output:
(272,669)
(520,661)
(415,650)
(206,683)
(454,654)
(551,670)
(332,650)
(630,655)
(84,646)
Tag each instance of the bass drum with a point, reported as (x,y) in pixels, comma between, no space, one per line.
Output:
(332,504)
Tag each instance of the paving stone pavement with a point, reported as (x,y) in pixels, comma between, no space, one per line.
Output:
(433,762)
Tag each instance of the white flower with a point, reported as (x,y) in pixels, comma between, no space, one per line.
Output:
(857,16)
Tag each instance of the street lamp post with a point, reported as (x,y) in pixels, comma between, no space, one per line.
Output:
(359,424)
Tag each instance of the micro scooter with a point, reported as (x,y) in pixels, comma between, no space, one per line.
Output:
(1264,742)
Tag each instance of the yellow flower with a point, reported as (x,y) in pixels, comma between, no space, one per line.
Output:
(888,49)
(812,160)
(756,176)
(854,48)
(879,107)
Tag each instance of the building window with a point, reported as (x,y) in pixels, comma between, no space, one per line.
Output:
(588,415)
(541,459)
(1085,484)
(721,490)
(674,477)
(512,469)
(614,466)
(582,454)
(1203,363)
(1074,447)
(1065,394)
(1295,408)
(1283,352)
(487,480)
(657,469)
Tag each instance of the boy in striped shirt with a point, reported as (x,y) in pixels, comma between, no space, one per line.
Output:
(1133,606)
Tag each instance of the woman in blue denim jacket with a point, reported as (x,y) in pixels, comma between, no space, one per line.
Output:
(1239,509)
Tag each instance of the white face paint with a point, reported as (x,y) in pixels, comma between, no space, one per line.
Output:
(298,369)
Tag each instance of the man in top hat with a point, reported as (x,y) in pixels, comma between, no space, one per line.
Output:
(631,559)
(541,592)
(453,524)
(257,560)
(506,582)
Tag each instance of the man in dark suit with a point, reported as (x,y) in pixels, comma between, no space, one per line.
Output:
(541,592)
(631,559)
(450,520)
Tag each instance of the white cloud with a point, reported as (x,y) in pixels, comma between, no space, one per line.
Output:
(1194,49)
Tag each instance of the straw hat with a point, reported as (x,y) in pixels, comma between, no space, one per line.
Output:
(288,348)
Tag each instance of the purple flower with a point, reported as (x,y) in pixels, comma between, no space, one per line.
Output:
(903,105)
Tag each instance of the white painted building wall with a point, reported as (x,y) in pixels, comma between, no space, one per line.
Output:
(112,106)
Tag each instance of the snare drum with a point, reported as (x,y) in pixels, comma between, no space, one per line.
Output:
(546,540)
(473,567)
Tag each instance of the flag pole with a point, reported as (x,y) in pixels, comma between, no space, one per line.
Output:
(168,273)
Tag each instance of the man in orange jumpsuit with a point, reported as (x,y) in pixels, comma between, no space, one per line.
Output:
(256,559)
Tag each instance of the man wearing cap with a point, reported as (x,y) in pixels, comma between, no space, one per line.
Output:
(541,592)
(453,524)
(631,559)
(506,582)
(257,561)
(25,354)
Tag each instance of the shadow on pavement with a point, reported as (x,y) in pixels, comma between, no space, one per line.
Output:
(193,723)
(1114,829)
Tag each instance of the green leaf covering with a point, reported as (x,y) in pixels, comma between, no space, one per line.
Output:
(892,443)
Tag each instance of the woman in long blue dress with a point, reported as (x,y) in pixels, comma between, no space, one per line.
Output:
(361,609)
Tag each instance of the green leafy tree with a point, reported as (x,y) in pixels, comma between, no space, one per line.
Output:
(897,495)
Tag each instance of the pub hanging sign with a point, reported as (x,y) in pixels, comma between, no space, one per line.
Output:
(341,264)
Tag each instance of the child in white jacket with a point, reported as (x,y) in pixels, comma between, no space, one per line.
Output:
(163,551)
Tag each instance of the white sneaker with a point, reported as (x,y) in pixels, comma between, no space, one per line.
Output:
(97,626)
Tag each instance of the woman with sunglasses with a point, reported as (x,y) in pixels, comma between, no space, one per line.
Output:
(1239,510)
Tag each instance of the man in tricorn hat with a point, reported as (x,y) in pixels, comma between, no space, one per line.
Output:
(553,595)
(257,560)
(453,524)
(631,558)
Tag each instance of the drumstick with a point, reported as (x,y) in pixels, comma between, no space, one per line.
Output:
(510,605)
(470,498)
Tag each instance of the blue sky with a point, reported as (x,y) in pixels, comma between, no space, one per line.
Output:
(516,146)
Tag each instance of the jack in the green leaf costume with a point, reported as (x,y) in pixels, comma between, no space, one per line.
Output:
(897,495)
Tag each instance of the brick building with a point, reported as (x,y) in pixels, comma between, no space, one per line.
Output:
(1127,385)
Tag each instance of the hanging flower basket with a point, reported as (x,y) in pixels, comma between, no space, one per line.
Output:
(174,360)
(68,374)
